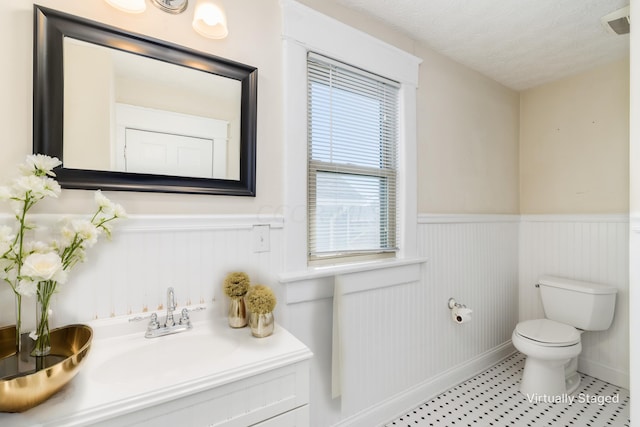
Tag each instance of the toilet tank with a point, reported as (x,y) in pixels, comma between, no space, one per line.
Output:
(584,305)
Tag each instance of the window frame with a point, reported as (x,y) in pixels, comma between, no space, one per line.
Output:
(323,69)
(304,30)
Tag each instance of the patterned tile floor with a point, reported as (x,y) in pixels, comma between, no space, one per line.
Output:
(492,399)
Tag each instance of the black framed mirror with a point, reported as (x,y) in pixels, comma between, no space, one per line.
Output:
(82,104)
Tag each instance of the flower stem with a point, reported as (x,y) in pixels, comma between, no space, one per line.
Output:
(43,340)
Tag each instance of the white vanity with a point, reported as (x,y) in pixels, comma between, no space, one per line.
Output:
(211,375)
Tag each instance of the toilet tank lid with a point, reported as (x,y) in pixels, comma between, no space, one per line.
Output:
(576,285)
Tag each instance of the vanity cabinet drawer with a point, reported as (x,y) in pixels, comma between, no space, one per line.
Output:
(249,401)
(296,418)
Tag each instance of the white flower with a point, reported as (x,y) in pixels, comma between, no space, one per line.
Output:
(67,235)
(39,165)
(10,274)
(86,231)
(118,211)
(32,266)
(5,193)
(102,201)
(41,267)
(27,288)
(51,187)
(36,246)
(38,186)
(33,335)
(6,238)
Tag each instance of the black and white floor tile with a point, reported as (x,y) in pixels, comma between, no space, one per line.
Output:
(492,399)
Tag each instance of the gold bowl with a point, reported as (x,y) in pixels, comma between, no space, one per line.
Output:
(27,381)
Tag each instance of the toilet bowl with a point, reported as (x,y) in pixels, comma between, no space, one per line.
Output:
(551,349)
(552,344)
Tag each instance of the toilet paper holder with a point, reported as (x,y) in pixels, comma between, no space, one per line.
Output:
(453,304)
(459,312)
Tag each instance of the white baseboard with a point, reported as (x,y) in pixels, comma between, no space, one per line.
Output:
(398,405)
(603,372)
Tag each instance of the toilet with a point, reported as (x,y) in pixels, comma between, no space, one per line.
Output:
(552,345)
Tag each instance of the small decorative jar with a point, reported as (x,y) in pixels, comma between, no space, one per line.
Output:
(235,287)
(261,324)
(237,312)
(261,301)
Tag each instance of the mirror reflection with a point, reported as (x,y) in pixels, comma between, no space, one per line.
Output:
(128,113)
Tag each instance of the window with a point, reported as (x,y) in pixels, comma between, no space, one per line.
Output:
(352,160)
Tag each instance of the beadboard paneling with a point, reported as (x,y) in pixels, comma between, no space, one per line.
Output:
(399,340)
(474,260)
(147,254)
(593,248)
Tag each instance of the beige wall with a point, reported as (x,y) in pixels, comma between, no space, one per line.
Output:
(574,144)
(635,125)
(87,113)
(467,124)
(467,140)
(467,129)
(571,158)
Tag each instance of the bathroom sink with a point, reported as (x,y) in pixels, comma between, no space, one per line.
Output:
(132,362)
(127,377)
(144,360)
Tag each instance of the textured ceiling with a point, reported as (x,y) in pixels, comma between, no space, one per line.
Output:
(519,43)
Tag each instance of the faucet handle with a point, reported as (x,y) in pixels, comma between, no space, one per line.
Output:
(153,322)
(184,317)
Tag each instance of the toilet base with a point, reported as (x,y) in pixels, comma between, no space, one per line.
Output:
(572,382)
(544,378)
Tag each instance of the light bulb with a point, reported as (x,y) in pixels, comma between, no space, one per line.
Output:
(209,20)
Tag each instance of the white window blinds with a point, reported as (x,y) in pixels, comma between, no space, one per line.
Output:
(352,137)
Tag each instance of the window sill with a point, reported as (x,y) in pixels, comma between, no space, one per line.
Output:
(354,267)
(318,282)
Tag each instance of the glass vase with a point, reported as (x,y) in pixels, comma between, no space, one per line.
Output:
(42,346)
(237,312)
(18,301)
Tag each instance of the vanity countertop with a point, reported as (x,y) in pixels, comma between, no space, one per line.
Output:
(126,372)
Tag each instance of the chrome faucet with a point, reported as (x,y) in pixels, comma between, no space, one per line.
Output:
(171,306)
(154,329)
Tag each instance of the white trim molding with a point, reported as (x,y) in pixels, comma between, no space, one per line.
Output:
(304,30)
(466,218)
(398,405)
(634,223)
(318,283)
(154,223)
(617,218)
(484,218)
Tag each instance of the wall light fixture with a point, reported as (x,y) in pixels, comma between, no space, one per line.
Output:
(209,18)
(171,6)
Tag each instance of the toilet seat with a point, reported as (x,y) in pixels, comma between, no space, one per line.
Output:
(548,333)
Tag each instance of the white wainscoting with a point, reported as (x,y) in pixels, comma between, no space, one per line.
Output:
(401,345)
(634,316)
(585,247)
(130,273)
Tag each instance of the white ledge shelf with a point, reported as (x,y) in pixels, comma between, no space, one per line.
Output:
(319,283)
(356,267)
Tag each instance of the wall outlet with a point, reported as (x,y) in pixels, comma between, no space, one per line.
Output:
(261,238)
